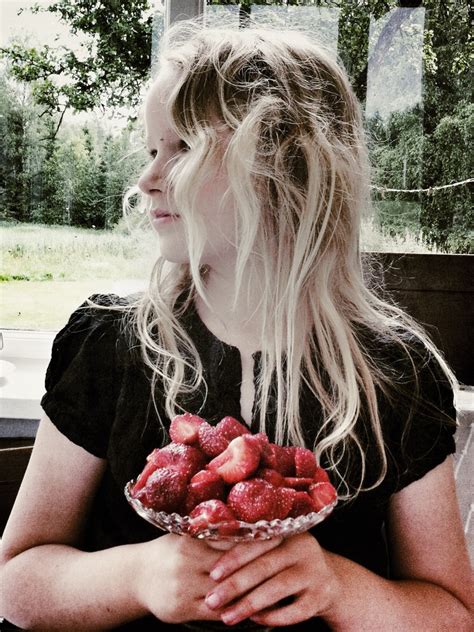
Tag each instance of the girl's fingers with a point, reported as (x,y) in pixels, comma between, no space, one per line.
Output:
(240,555)
(246,578)
(299,610)
(261,598)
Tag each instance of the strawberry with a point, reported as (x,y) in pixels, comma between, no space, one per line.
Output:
(165,490)
(230,428)
(211,512)
(260,439)
(205,485)
(253,500)
(149,468)
(302,504)
(305,463)
(269,457)
(322,494)
(271,476)
(285,460)
(184,429)
(285,497)
(211,441)
(238,461)
(184,457)
(297,483)
(321,476)
(215,439)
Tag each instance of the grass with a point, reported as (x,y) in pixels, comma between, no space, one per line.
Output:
(34,252)
(47,271)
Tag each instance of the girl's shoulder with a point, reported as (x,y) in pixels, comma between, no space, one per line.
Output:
(99,328)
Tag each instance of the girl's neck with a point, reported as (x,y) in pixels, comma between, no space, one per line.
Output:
(239,327)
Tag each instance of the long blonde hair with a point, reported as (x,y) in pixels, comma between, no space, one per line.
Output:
(299,174)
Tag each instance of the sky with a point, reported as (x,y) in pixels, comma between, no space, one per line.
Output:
(43,27)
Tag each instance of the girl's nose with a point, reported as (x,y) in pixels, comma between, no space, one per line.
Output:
(153,178)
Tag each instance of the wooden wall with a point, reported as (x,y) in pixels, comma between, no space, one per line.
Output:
(437,290)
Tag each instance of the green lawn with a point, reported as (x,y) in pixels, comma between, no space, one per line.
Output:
(47,271)
(47,305)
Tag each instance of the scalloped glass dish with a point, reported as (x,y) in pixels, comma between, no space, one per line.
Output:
(238,532)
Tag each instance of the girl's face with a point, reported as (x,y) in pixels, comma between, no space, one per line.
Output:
(165,147)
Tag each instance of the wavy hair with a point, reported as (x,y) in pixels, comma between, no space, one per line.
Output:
(299,175)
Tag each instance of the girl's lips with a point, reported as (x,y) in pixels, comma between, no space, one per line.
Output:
(160,217)
(157,213)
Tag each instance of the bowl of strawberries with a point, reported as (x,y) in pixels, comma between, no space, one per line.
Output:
(224,483)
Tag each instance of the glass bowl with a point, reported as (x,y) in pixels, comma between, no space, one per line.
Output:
(238,531)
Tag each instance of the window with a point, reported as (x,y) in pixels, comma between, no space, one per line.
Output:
(73,144)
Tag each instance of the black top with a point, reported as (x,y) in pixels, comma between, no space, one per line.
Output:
(98,395)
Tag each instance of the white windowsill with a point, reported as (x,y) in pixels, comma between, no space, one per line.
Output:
(21,391)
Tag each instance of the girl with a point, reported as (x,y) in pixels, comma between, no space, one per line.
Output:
(257,308)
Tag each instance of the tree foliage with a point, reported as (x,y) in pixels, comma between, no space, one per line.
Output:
(76,177)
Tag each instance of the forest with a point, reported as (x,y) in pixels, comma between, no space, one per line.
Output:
(57,170)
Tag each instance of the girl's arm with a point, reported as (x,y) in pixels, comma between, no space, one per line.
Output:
(432,590)
(49,584)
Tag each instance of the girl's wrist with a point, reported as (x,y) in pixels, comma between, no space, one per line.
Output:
(140,574)
(335,589)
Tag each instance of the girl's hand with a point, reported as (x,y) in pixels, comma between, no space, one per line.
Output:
(254,577)
(173,578)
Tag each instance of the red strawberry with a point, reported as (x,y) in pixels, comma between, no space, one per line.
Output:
(269,457)
(215,439)
(253,500)
(165,490)
(285,460)
(238,461)
(185,457)
(211,441)
(298,483)
(212,512)
(205,485)
(321,476)
(322,494)
(302,505)
(184,428)
(230,428)
(149,468)
(271,476)
(260,439)
(305,463)
(285,497)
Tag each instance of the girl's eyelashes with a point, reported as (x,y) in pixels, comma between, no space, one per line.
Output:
(182,147)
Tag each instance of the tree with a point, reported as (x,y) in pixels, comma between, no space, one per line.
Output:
(112,69)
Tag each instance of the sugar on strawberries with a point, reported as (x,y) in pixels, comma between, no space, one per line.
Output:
(221,474)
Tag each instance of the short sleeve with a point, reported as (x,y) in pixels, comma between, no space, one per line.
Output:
(82,376)
(423,418)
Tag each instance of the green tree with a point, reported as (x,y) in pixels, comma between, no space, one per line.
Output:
(116,47)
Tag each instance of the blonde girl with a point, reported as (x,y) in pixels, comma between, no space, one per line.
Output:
(258,307)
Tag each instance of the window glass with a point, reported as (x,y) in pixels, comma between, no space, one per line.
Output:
(70,152)
(394,118)
(62,180)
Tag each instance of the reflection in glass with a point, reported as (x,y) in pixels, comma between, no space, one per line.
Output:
(319,22)
(394,117)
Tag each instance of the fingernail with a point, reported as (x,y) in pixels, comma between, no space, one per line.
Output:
(217,573)
(229,618)
(212,600)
